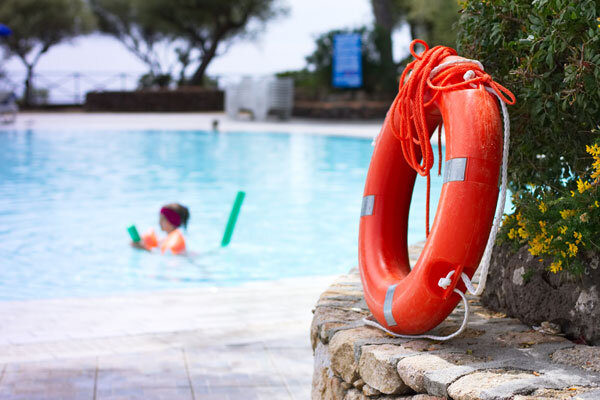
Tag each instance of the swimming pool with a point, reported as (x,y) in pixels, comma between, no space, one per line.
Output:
(66,199)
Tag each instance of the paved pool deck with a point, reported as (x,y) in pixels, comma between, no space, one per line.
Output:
(245,342)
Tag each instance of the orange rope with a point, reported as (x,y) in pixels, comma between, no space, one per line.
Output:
(410,104)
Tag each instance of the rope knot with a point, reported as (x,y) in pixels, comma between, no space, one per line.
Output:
(446,281)
(470,74)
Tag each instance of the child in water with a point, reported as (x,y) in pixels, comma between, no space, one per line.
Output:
(172,216)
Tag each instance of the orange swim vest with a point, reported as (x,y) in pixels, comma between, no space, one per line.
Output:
(175,243)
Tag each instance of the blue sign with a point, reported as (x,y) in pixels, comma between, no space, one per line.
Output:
(347,60)
(4,30)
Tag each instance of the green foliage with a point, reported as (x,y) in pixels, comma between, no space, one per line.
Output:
(432,20)
(196,29)
(205,26)
(132,23)
(560,224)
(37,25)
(547,53)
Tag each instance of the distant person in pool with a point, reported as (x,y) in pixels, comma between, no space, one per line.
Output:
(171,218)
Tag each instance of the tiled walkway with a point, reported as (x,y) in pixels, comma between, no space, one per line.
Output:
(250,342)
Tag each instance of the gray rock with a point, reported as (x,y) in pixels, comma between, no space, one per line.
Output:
(412,370)
(370,391)
(354,394)
(342,351)
(481,385)
(436,382)
(377,367)
(585,357)
(572,302)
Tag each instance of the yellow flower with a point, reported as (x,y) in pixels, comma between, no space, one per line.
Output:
(567,213)
(596,204)
(556,266)
(563,229)
(593,150)
(543,207)
(538,245)
(578,238)
(572,193)
(582,186)
(572,249)
(523,233)
(543,226)
(512,233)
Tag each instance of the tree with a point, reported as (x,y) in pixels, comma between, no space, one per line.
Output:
(433,20)
(207,25)
(429,20)
(38,25)
(387,14)
(132,23)
(197,29)
(546,53)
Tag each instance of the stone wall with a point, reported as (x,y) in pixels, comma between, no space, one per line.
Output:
(186,99)
(341,109)
(496,357)
(519,285)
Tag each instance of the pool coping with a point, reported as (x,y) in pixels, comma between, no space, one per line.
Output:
(69,120)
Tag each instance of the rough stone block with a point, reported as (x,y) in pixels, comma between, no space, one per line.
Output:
(370,391)
(342,351)
(412,370)
(324,384)
(560,394)
(329,315)
(437,381)
(528,338)
(354,394)
(480,385)
(377,367)
(586,357)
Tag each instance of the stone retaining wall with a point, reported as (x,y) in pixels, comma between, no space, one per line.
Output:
(520,286)
(341,109)
(494,358)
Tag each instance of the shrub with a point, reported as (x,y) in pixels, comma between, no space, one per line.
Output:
(547,53)
(559,226)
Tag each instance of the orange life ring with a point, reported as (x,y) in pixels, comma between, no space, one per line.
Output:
(409,301)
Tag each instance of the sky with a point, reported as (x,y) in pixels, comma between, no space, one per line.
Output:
(282,46)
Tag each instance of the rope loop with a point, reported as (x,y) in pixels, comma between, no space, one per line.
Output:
(412,48)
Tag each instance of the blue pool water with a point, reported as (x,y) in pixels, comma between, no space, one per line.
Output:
(67,197)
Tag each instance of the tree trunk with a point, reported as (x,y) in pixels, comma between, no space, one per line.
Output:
(383,14)
(384,24)
(206,57)
(27,96)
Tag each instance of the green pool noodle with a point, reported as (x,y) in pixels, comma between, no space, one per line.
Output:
(135,236)
(235,210)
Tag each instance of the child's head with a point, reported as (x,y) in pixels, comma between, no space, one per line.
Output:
(172,216)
